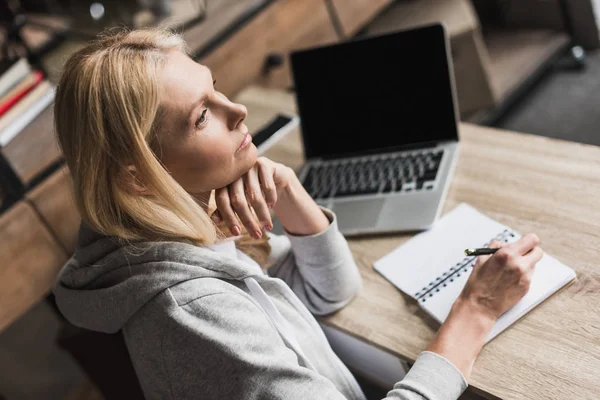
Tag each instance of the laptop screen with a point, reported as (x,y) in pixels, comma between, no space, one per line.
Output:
(375,94)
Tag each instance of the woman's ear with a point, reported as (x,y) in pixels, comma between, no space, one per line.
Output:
(133,183)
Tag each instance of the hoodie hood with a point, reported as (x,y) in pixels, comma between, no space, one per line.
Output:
(107,280)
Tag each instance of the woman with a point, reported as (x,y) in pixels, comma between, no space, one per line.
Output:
(153,148)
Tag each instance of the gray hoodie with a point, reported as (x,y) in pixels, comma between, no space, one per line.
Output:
(203,324)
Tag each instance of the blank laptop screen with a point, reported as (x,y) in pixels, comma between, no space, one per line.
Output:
(372,94)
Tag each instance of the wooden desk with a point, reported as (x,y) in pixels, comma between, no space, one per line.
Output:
(532,184)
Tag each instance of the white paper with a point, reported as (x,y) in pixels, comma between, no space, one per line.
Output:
(427,260)
(413,266)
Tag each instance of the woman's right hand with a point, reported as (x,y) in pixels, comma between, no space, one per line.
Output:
(499,281)
(495,285)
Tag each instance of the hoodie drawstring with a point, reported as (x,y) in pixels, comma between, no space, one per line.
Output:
(276,319)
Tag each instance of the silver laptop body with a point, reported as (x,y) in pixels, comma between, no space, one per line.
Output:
(404,210)
(393,188)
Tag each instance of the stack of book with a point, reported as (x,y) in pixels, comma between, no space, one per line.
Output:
(24,94)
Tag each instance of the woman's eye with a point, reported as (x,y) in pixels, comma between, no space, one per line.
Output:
(202,118)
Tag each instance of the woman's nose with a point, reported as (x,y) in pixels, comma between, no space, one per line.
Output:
(237,114)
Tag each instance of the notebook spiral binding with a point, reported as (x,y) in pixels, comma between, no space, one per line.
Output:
(460,267)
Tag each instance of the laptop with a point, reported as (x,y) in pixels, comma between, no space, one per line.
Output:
(379,126)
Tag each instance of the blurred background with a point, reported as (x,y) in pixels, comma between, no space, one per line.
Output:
(531,66)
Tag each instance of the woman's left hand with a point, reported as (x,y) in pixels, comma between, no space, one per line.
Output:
(256,190)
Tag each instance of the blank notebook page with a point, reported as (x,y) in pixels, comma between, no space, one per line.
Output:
(432,267)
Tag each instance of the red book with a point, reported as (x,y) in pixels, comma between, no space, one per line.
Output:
(19,91)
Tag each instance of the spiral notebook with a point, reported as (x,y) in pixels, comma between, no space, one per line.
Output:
(432,267)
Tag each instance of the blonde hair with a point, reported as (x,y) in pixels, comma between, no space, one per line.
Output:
(107,116)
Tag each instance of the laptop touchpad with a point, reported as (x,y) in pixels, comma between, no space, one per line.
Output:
(359,214)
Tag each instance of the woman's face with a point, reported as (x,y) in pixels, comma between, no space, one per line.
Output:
(203,141)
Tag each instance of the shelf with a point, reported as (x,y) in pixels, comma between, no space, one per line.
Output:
(517,54)
(35,36)
(458,16)
(183,13)
(34,149)
(517,59)
(221,21)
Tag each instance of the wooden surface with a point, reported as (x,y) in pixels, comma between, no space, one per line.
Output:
(472,73)
(532,184)
(516,54)
(220,16)
(53,200)
(458,16)
(35,148)
(182,12)
(31,259)
(281,27)
(353,15)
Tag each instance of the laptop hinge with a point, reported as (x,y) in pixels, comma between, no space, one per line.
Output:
(378,151)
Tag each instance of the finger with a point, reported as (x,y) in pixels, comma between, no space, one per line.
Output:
(533,257)
(494,244)
(216,217)
(525,244)
(226,211)
(239,203)
(265,174)
(256,199)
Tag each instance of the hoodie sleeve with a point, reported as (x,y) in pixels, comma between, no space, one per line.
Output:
(223,356)
(319,268)
(431,377)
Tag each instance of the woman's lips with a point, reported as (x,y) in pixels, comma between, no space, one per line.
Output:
(245,142)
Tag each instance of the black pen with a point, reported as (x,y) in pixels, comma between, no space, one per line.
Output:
(481,251)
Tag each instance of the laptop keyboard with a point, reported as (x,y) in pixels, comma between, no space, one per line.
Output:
(404,172)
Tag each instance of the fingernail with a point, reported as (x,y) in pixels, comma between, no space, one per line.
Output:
(268,226)
(236,230)
(258,234)
(270,205)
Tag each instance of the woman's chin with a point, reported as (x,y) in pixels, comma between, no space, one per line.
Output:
(246,161)
(250,154)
